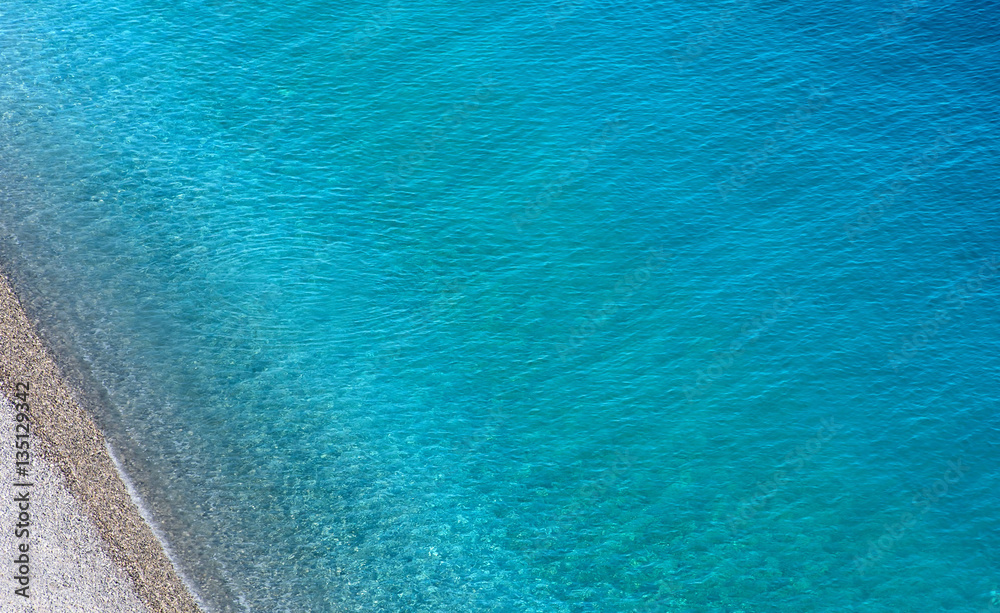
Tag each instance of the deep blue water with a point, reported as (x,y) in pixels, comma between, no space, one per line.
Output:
(571,306)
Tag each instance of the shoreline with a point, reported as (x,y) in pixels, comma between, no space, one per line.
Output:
(66,439)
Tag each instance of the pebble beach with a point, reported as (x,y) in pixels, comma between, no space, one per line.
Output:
(89,547)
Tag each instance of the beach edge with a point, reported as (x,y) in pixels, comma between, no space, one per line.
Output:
(68,437)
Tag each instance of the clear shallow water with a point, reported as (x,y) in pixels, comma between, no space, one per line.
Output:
(556,307)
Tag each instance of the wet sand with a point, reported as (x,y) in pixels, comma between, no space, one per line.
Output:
(91,548)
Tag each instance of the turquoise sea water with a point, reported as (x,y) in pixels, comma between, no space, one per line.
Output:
(571,306)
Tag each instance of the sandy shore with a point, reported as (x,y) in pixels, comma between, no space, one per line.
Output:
(90,548)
